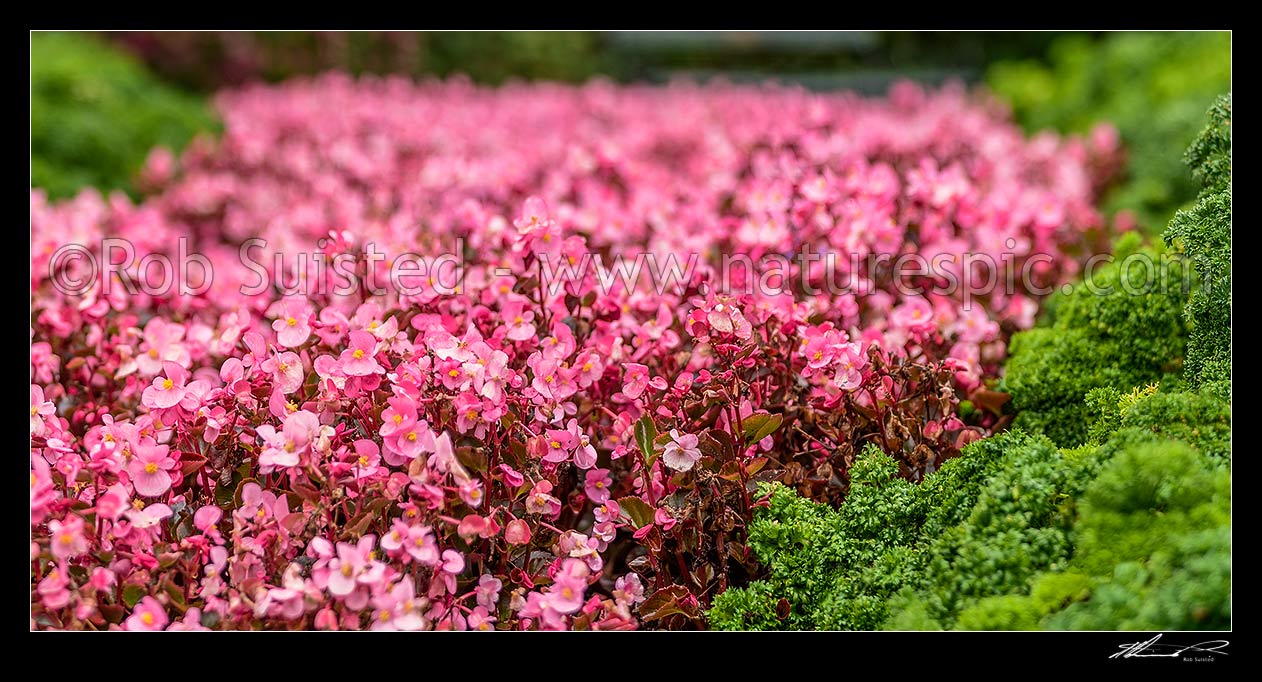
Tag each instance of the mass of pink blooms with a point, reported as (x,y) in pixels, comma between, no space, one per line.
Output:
(506,455)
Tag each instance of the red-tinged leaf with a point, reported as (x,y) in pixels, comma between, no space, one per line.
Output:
(113,612)
(759,426)
(525,285)
(730,471)
(709,446)
(724,440)
(755,465)
(191,463)
(667,602)
(473,459)
(358,525)
(307,492)
(639,511)
(992,401)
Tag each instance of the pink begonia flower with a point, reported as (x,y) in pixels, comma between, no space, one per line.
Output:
(150,468)
(727,318)
(481,619)
(166,391)
(144,516)
(285,448)
(40,410)
(519,319)
(565,595)
(103,579)
(488,591)
(511,476)
(681,453)
(399,416)
(66,537)
(915,315)
(607,511)
(207,519)
(628,589)
(539,501)
(161,345)
(359,359)
(350,562)
(192,621)
(585,452)
(635,381)
(53,589)
(561,443)
(42,490)
(293,321)
(596,485)
(663,518)
(480,526)
(975,325)
(453,561)
(111,504)
(850,366)
(517,532)
(286,370)
(420,545)
(147,616)
(471,493)
(534,212)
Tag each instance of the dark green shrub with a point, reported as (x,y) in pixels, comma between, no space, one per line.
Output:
(1095,341)
(1203,232)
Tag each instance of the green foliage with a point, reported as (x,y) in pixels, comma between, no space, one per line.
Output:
(1153,86)
(1204,234)
(1132,532)
(1123,330)
(96,113)
(1153,551)
(839,569)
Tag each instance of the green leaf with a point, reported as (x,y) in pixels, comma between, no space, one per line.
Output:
(645,434)
(224,494)
(759,426)
(133,594)
(639,511)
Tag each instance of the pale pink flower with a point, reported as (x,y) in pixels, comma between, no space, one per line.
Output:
(147,616)
(681,453)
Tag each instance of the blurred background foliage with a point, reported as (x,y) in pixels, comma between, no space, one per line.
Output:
(96,111)
(1155,87)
